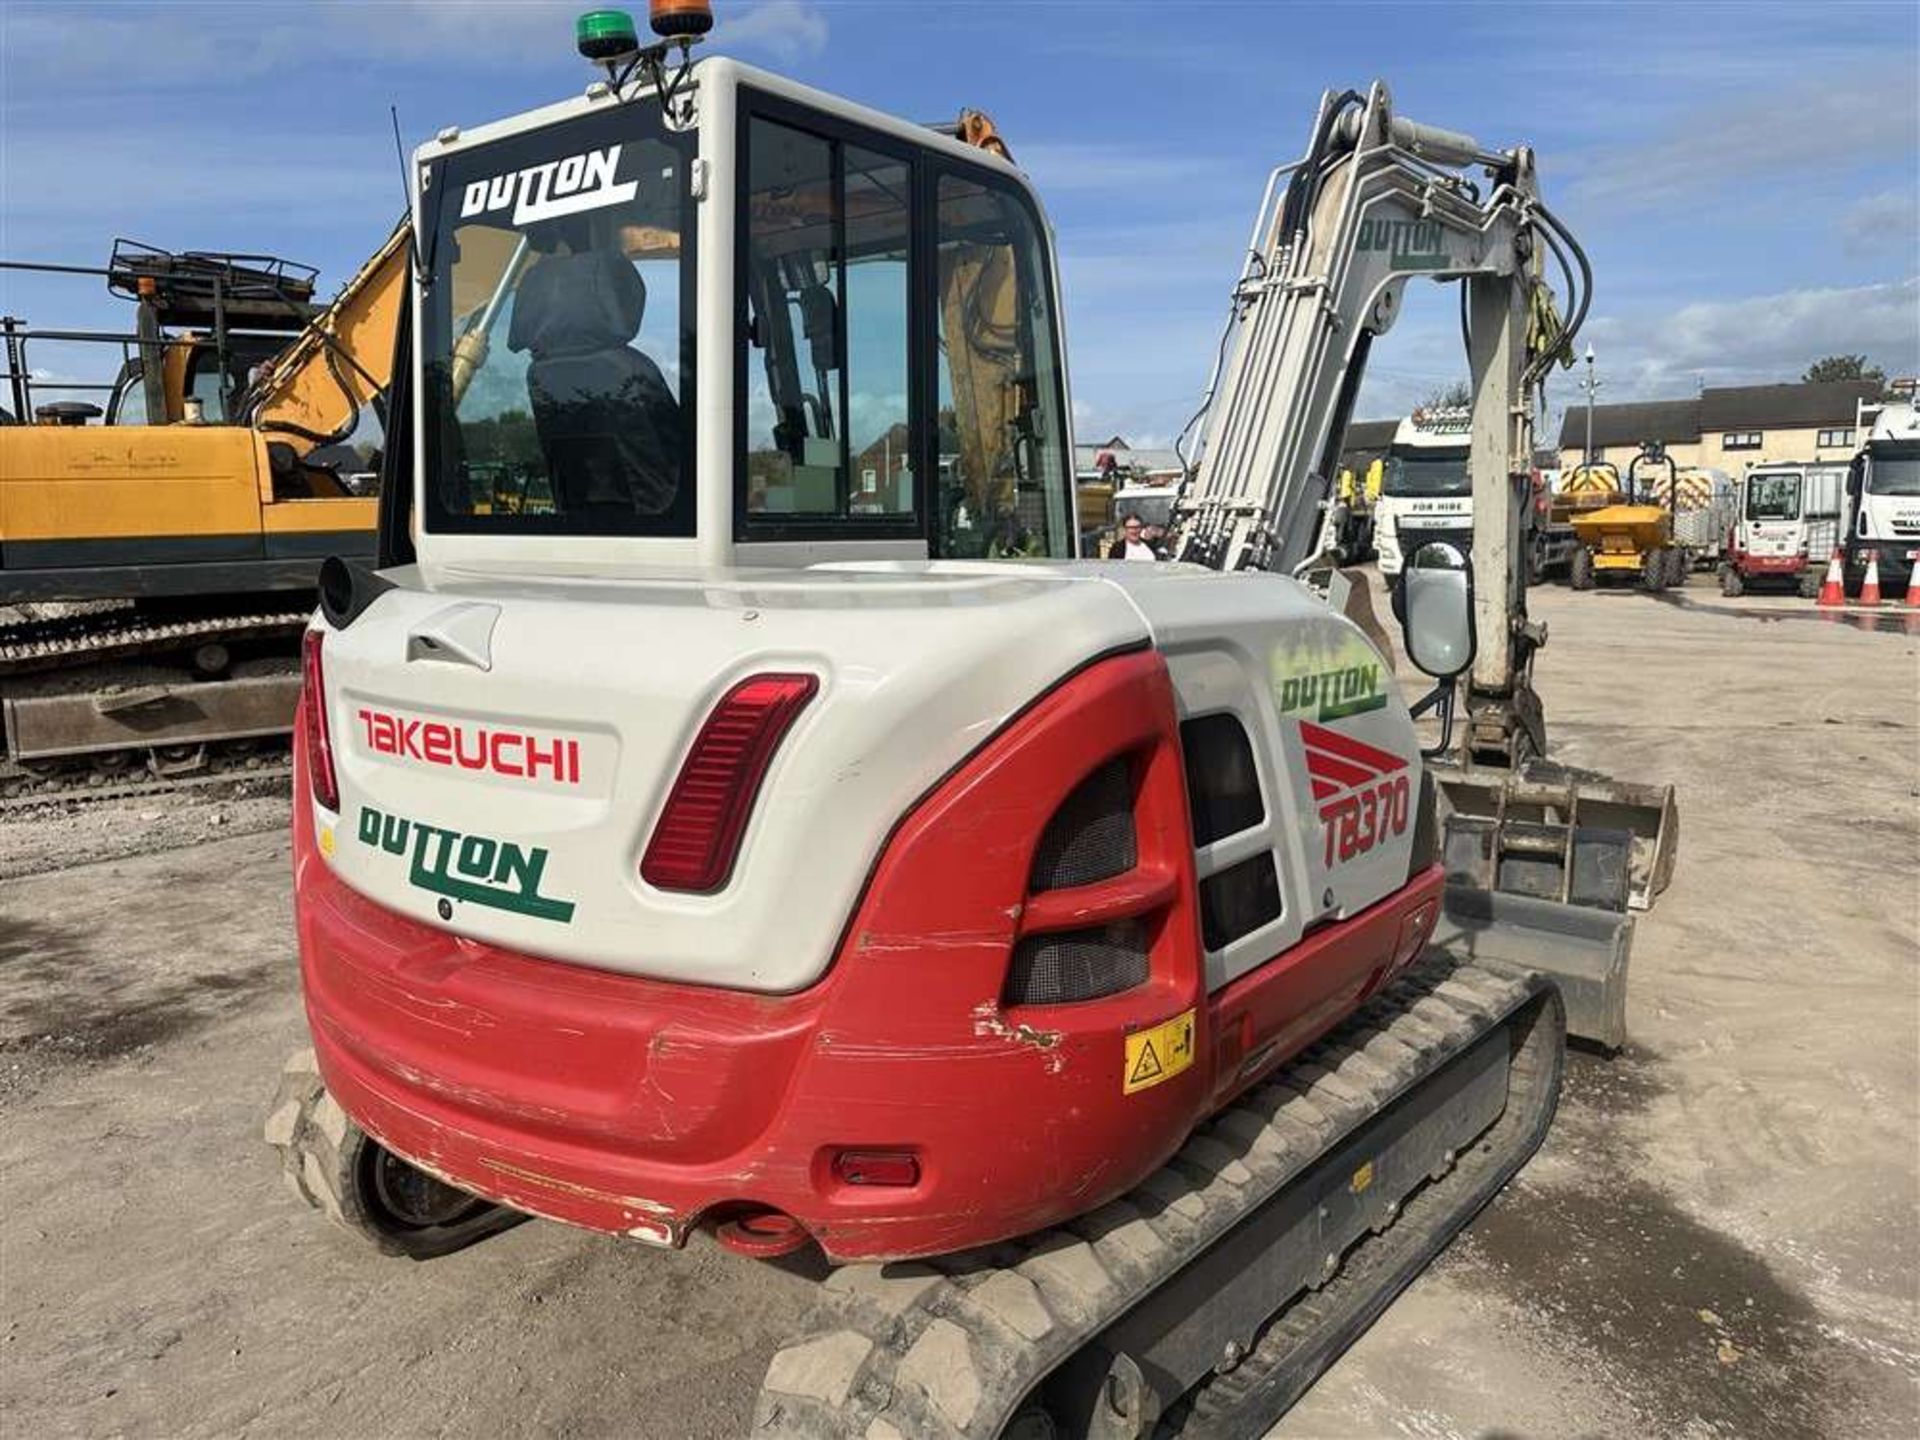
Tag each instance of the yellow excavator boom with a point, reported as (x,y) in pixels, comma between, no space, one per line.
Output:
(315,389)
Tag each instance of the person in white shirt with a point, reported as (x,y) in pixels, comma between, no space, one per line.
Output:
(1132,544)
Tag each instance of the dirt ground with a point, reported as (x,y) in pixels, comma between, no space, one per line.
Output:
(1721,1237)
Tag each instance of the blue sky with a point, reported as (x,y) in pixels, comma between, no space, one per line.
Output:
(1744,176)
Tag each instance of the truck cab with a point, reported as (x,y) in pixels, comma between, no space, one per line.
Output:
(1426,494)
(1884,484)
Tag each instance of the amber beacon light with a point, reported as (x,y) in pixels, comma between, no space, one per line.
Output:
(673,19)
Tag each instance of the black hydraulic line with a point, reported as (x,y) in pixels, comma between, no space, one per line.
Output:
(1304,188)
(340,432)
(1329,459)
(1563,340)
(1579,318)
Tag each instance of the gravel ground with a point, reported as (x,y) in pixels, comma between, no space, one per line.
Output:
(1721,1237)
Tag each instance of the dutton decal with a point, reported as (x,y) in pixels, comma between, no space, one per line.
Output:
(552,189)
(466,867)
(1409,244)
(1334,694)
(1362,791)
(498,752)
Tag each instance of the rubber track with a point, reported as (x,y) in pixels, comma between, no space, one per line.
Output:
(35,645)
(950,1348)
(64,790)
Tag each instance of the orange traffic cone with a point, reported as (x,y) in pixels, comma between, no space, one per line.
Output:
(1870,587)
(1833,590)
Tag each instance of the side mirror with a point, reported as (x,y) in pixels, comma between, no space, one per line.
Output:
(1434,603)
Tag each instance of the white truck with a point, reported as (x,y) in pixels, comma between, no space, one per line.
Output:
(1884,487)
(1426,494)
(1787,520)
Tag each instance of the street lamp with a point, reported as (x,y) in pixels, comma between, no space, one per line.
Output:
(1590,385)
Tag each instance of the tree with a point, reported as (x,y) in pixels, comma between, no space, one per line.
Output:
(1454,395)
(1843,367)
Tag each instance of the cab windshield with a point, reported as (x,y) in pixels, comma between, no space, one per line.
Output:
(1893,474)
(1424,475)
(557,331)
(1773,497)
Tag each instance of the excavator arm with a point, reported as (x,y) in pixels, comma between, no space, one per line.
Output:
(1376,201)
(313,392)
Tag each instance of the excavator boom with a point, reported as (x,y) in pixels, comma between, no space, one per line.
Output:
(315,390)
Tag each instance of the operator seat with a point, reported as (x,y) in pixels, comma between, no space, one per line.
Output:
(606,419)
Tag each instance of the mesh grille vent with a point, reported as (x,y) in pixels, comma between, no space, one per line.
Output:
(1078,964)
(1091,836)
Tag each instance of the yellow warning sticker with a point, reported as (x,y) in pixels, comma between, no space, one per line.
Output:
(1362,1178)
(1158,1053)
(326,841)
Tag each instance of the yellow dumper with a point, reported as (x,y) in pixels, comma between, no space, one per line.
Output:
(1624,532)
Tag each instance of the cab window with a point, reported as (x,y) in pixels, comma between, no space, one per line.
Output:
(558,348)
(1002,437)
(826,277)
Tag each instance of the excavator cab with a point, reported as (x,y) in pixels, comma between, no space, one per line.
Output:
(871,361)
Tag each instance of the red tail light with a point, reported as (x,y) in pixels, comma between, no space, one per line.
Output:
(313,707)
(698,837)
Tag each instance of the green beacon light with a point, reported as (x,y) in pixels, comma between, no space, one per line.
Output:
(605,35)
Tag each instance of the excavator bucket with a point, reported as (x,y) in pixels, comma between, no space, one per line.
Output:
(1542,869)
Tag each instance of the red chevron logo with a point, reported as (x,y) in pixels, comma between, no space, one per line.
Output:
(1363,796)
(1339,762)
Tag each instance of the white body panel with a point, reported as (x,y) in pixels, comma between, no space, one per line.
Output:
(1233,642)
(915,671)
(508,721)
(918,665)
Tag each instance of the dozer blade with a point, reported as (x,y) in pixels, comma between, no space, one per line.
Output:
(1207,1300)
(1554,833)
(1582,949)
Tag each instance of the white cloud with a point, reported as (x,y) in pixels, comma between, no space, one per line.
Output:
(1759,338)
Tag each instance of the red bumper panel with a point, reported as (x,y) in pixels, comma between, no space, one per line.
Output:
(1769,564)
(644,1108)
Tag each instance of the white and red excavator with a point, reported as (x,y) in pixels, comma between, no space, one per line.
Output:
(729,805)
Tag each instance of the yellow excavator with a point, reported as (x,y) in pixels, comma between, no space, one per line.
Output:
(158,554)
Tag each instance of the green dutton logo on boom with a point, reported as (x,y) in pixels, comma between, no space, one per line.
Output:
(1333,694)
(466,867)
(1409,244)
